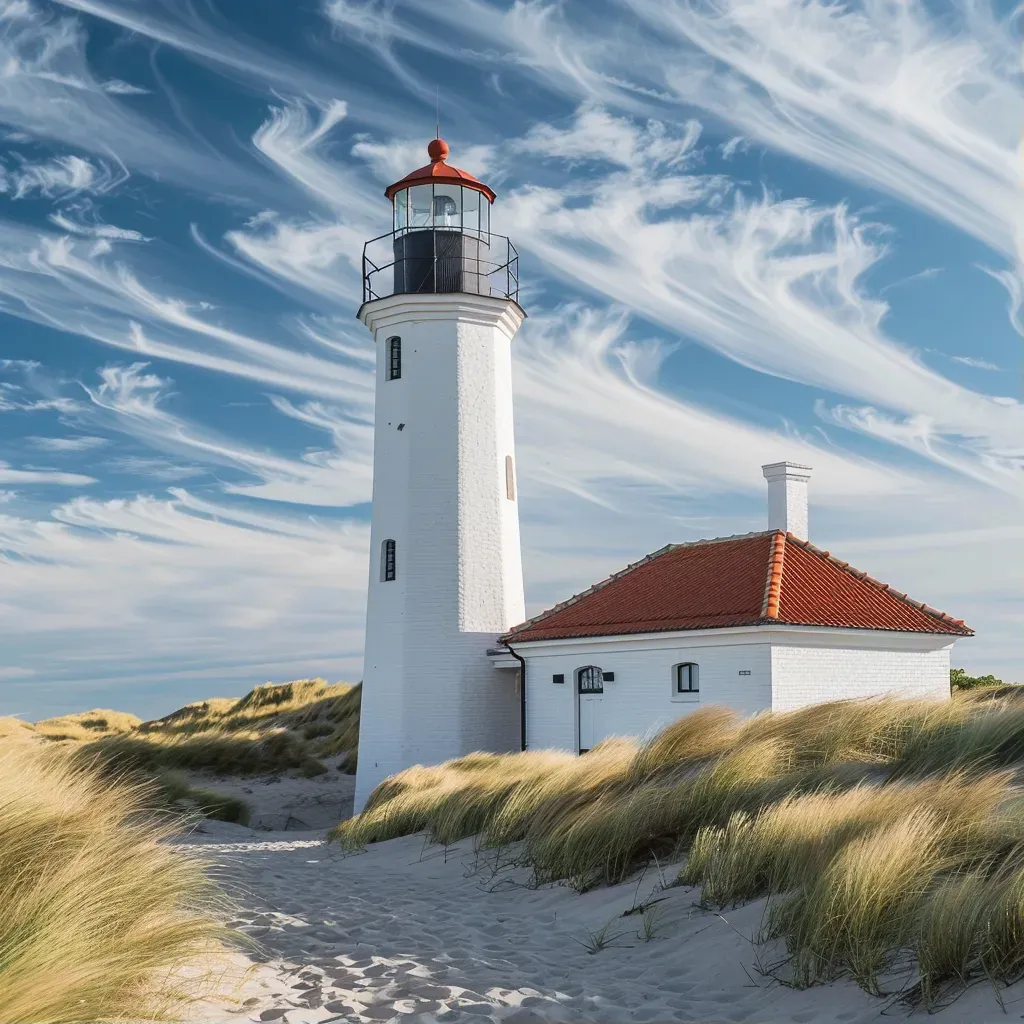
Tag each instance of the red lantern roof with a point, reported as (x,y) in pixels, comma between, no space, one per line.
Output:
(439,172)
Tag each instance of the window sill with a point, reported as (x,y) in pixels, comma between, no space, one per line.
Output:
(678,698)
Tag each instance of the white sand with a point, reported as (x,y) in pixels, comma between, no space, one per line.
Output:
(413,933)
(285,802)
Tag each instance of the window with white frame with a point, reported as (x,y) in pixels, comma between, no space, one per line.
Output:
(686,680)
(394,354)
(387,561)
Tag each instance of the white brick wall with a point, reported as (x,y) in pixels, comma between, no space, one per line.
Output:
(789,667)
(808,675)
(640,700)
(429,692)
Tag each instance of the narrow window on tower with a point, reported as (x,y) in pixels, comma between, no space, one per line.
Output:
(387,561)
(510,479)
(394,354)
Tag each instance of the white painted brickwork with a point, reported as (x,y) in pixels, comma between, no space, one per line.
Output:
(640,700)
(429,692)
(809,675)
(789,668)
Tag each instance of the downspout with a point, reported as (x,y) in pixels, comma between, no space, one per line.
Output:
(522,692)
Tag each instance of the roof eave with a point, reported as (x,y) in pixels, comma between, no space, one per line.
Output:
(752,623)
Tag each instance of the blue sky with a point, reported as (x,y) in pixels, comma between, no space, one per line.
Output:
(749,231)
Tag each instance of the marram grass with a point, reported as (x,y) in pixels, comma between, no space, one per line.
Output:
(97,912)
(886,834)
(276,727)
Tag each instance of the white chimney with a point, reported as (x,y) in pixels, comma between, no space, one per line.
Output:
(787,497)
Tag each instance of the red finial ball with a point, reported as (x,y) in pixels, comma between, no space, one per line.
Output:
(437,150)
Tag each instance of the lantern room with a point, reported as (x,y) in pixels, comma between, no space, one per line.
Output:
(441,239)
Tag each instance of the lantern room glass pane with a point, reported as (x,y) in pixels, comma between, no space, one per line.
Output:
(447,206)
(421,206)
(471,200)
(402,209)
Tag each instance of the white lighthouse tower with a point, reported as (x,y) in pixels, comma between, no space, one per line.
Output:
(446,578)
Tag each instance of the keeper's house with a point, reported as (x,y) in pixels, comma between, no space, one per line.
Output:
(764,620)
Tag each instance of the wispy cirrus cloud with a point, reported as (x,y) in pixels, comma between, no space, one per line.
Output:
(224,592)
(976,364)
(582,377)
(925,107)
(59,177)
(137,400)
(64,281)
(10,475)
(773,284)
(62,445)
(320,253)
(51,94)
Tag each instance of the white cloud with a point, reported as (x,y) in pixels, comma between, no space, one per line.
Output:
(82,219)
(235,54)
(977,364)
(320,254)
(337,477)
(168,585)
(923,106)
(120,88)
(64,283)
(16,672)
(82,443)
(773,284)
(58,178)
(157,470)
(49,92)
(580,380)
(597,135)
(8,475)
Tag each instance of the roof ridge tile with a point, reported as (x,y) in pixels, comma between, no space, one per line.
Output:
(773,584)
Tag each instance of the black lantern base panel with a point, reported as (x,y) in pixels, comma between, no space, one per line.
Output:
(433,261)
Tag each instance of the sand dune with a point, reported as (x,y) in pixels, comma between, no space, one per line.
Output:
(416,934)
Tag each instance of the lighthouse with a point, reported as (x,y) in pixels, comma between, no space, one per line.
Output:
(440,299)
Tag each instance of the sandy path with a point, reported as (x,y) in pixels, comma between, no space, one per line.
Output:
(420,934)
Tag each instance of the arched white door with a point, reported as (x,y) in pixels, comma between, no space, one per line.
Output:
(590,697)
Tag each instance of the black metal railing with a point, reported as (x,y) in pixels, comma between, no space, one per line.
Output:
(440,261)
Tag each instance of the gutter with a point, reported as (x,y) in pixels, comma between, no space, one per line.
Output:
(522,692)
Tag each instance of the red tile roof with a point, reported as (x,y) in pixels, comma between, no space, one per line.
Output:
(752,580)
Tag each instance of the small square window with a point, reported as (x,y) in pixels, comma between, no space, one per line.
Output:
(558,677)
(609,677)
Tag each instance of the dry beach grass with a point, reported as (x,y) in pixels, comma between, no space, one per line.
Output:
(274,727)
(887,834)
(96,913)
